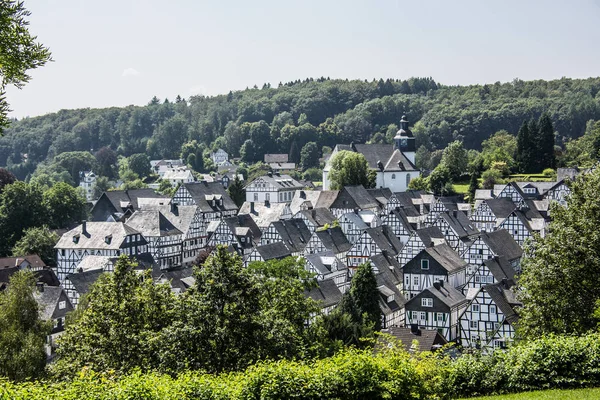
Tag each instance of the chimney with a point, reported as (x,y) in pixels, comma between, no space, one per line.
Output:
(270,174)
(266,203)
(504,283)
(252,207)
(174,207)
(40,287)
(441,283)
(414,329)
(455,213)
(437,285)
(302,194)
(84,227)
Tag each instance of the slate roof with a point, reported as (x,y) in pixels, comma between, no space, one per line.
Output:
(294,232)
(505,299)
(243,221)
(356,220)
(447,257)
(91,262)
(430,236)
(355,197)
(94,236)
(326,292)
(402,216)
(447,294)
(323,262)
(318,216)
(48,299)
(502,244)
(315,198)
(180,216)
(175,277)
(281,182)
(263,213)
(334,239)
(386,264)
(501,207)
(204,192)
(382,195)
(82,281)
(428,339)
(152,223)
(500,268)
(384,238)
(273,251)
(121,199)
(459,223)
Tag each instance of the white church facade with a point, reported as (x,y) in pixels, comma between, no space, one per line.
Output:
(394,163)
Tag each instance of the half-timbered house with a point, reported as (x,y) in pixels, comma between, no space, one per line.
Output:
(330,239)
(96,238)
(292,232)
(210,197)
(165,241)
(524,222)
(327,294)
(267,252)
(488,320)
(397,219)
(273,188)
(437,307)
(309,199)
(488,272)
(352,198)
(492,212)
(327,266)
(316,218)
(419,240)
(430,265)
(240,232)
(353,224)
(491,244)
(265,213)
(118,205)
(458,230)
(373,241)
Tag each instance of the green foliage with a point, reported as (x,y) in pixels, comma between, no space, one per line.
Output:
(139,164)
(119,325)
(75,162)
(439,179)
(65,205)
(349,168)
(490,178)
(40,241)
(236,191)
(455,158)
(309,156)
(313,174)
(561,271)
(102,185)
(584,151)
(418,183)
(501,146)
(106,159)
(22,333)
(19,51)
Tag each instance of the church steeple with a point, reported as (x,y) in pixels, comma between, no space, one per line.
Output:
(405,141)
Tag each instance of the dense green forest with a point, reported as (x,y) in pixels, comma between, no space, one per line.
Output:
(256,121)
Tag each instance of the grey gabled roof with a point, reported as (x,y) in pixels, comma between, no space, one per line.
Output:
(430,235)
(384,238)
(263,214)
(82,281)
(334,239)
(48,299)
(398,162)
(273,251)
(500,268)
(323,262)
(326,292)
(447,294)
(402,216)
(94,236)
(318,216)
(243,221)
(202,192)
(355,197)
(502,244)
(501,207)
(459,223)
(152,223)
(387,265)
(294,233)
(44,275)
(446,257)
(32,260)
(281,182)
(375,153)
(119,198)
(505,299)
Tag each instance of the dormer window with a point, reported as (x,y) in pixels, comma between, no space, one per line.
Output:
(108,239)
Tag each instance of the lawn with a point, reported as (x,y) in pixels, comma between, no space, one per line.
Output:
(461,187)
(548,395)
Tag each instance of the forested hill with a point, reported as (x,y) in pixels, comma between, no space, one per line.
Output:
(281,120)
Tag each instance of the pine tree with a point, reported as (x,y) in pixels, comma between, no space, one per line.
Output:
(545,143)
(534,151)
(237,192)
(524,148)
(294,155)
(365,294)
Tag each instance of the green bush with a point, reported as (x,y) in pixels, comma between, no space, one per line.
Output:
(553,362)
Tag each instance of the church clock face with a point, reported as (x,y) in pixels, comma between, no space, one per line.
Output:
(403,142)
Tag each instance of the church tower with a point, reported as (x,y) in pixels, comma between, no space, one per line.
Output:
(405,141)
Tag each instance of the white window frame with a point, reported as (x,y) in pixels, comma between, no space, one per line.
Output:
(426,302)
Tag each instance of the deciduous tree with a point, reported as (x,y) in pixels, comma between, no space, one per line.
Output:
(40,241)
(349,168)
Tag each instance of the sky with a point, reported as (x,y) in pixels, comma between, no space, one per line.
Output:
(121,52)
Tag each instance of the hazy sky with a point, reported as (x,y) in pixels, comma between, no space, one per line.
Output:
(120,52)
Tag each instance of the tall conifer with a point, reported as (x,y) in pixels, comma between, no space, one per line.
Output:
(545,143)
(524,148)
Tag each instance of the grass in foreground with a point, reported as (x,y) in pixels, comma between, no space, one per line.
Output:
(579,394)
(461,188)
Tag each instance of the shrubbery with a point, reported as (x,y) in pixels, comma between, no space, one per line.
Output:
(545,363)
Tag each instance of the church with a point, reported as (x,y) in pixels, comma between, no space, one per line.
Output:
(394,163)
